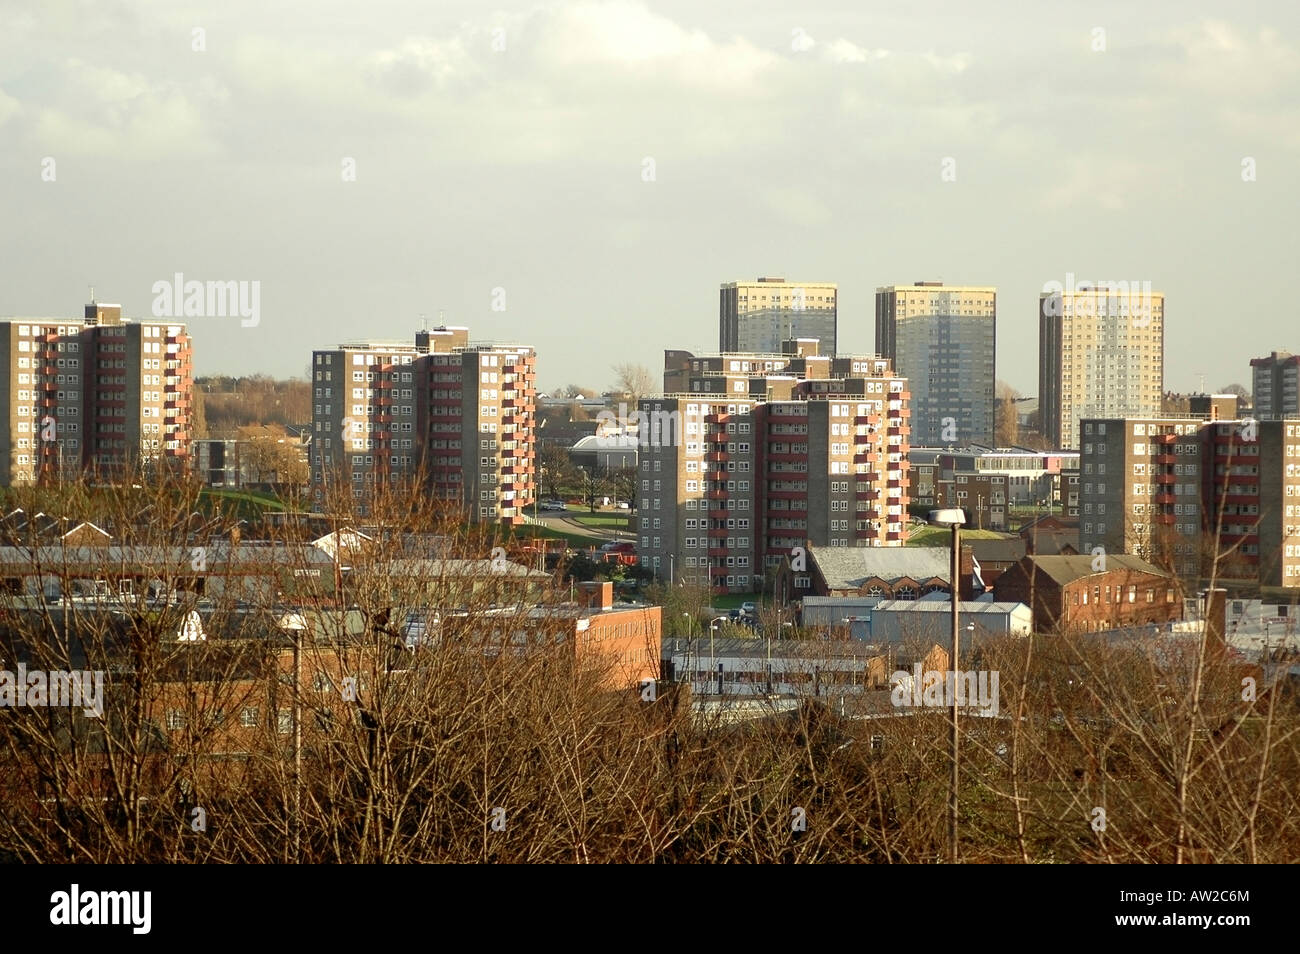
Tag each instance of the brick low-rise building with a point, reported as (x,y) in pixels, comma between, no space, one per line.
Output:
(904,573)
(1082,594)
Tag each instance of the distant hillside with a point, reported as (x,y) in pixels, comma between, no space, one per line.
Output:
(222,405)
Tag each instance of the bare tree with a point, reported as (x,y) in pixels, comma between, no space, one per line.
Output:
(1006,426)
(634,380)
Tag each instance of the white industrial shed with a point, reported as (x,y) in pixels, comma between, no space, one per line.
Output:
(896,621)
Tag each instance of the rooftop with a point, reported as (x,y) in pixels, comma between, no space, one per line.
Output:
(850,567)
(945,607)
(1067,569)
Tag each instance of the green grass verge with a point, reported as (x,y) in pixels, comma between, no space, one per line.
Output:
(609,521)
(942,536)
(244,504)
(581,541)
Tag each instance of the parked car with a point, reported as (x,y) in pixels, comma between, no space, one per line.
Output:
(748,608)
(554,505)
(624,505)
(734,615)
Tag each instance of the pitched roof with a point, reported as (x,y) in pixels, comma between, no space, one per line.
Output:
(934,606)
(850,567)
(1003,550)
(1053,542)
(1067,569)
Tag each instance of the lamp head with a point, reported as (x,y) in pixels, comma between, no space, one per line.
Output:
(948,517)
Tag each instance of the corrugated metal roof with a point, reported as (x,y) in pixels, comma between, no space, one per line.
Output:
(935,606)
(850,567)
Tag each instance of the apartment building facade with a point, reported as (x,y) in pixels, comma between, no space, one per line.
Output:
(1276,385)
(755,317)
(765,454)
(442,414)
(942,338)
(984,497)
(1198,496)
(101,396)
(1141,482)
(1100,355)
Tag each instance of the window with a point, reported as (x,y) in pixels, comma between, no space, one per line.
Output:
(176,719)
(284,721)
(248,717)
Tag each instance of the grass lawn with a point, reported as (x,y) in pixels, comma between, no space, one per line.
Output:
(244,504)
(609,521)
(942,536)
(577,540)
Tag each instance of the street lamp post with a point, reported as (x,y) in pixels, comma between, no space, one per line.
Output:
(690,634)
(713,628)
(953,518)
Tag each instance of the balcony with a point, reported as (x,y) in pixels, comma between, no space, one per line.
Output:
(1240,498)
(714,418)
(1166,519)
(1165,459)
(717,457)
(717,495)
(871,494)
(1166,479)
(718,551)
(1164,498)
(1164,439)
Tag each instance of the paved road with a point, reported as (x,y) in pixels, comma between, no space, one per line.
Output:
(565,521)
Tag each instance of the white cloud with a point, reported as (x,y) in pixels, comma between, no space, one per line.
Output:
(626,36)
(106,112)
(9,107)
(843,51)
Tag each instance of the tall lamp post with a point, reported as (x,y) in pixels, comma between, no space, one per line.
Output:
(713,628)
(690,634)
(954,518)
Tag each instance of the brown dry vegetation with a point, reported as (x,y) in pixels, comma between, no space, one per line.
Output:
(497,715)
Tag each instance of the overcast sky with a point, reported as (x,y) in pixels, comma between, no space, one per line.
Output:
(808,144)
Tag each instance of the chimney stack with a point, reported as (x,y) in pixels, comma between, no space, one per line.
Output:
(597,595)
(1214,608)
